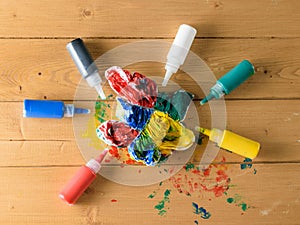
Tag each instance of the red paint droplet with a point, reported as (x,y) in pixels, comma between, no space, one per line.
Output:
(209,199)
(113,200)
(139,171)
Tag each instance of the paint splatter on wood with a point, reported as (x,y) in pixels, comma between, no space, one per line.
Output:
(204,214)
(161,205)
(238,201)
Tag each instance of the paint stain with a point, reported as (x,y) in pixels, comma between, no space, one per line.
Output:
(193,180)
(247,163)
(204,214)
(101,108)
(189,166)
(113,200)
(161,205)
(152,195)
(254,171)
(196,222)
(237,200)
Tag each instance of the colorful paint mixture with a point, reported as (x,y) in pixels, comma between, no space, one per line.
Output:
(150,125)
(150,129)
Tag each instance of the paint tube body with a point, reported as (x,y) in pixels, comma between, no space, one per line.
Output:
(233,142)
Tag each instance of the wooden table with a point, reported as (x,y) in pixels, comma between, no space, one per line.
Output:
(38,156)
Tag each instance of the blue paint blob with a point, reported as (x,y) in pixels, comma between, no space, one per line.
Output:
(204,214)
(246,165)
(135,116)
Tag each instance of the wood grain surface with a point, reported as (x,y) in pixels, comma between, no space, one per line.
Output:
(38,156)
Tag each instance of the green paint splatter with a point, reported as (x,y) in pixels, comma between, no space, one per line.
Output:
(161,205)
(230,200)
(237,199)
(254,171)
(244,206)
(100,109)
(200,211)
(245,165)
(160,183)
(152,195)
(189,166)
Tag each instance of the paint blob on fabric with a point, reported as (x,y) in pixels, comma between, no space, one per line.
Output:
(116,133)
(150,125)
(134,87)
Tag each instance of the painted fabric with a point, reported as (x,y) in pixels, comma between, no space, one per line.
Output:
(150,123)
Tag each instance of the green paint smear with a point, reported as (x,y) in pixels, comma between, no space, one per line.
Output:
(161,205)
(189,166)
(244,206)
(100,109)
(152,195)
(237,199)
(167,193)
(160,183)
(255,171)
(162,212)
(230,200)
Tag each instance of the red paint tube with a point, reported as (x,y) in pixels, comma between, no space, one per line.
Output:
(81,180)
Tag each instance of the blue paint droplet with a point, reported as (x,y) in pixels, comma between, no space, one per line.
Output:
(245,165)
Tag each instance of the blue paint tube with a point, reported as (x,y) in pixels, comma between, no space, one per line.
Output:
(50,109)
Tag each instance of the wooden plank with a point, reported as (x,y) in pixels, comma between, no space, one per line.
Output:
(139,19)
(43,69)
(39,153)
(30,197)
(273,123)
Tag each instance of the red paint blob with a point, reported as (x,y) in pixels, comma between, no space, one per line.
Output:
(135,88)
(113,200)
(117,133)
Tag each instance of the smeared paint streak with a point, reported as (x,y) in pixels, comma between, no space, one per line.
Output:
(161,205)
(245,164)
(237,200)
(101,109)
(113,200)
(200,211)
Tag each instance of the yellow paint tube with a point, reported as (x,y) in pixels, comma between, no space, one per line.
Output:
(232,142)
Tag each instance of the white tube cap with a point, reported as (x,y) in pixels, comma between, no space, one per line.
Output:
(185,36)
